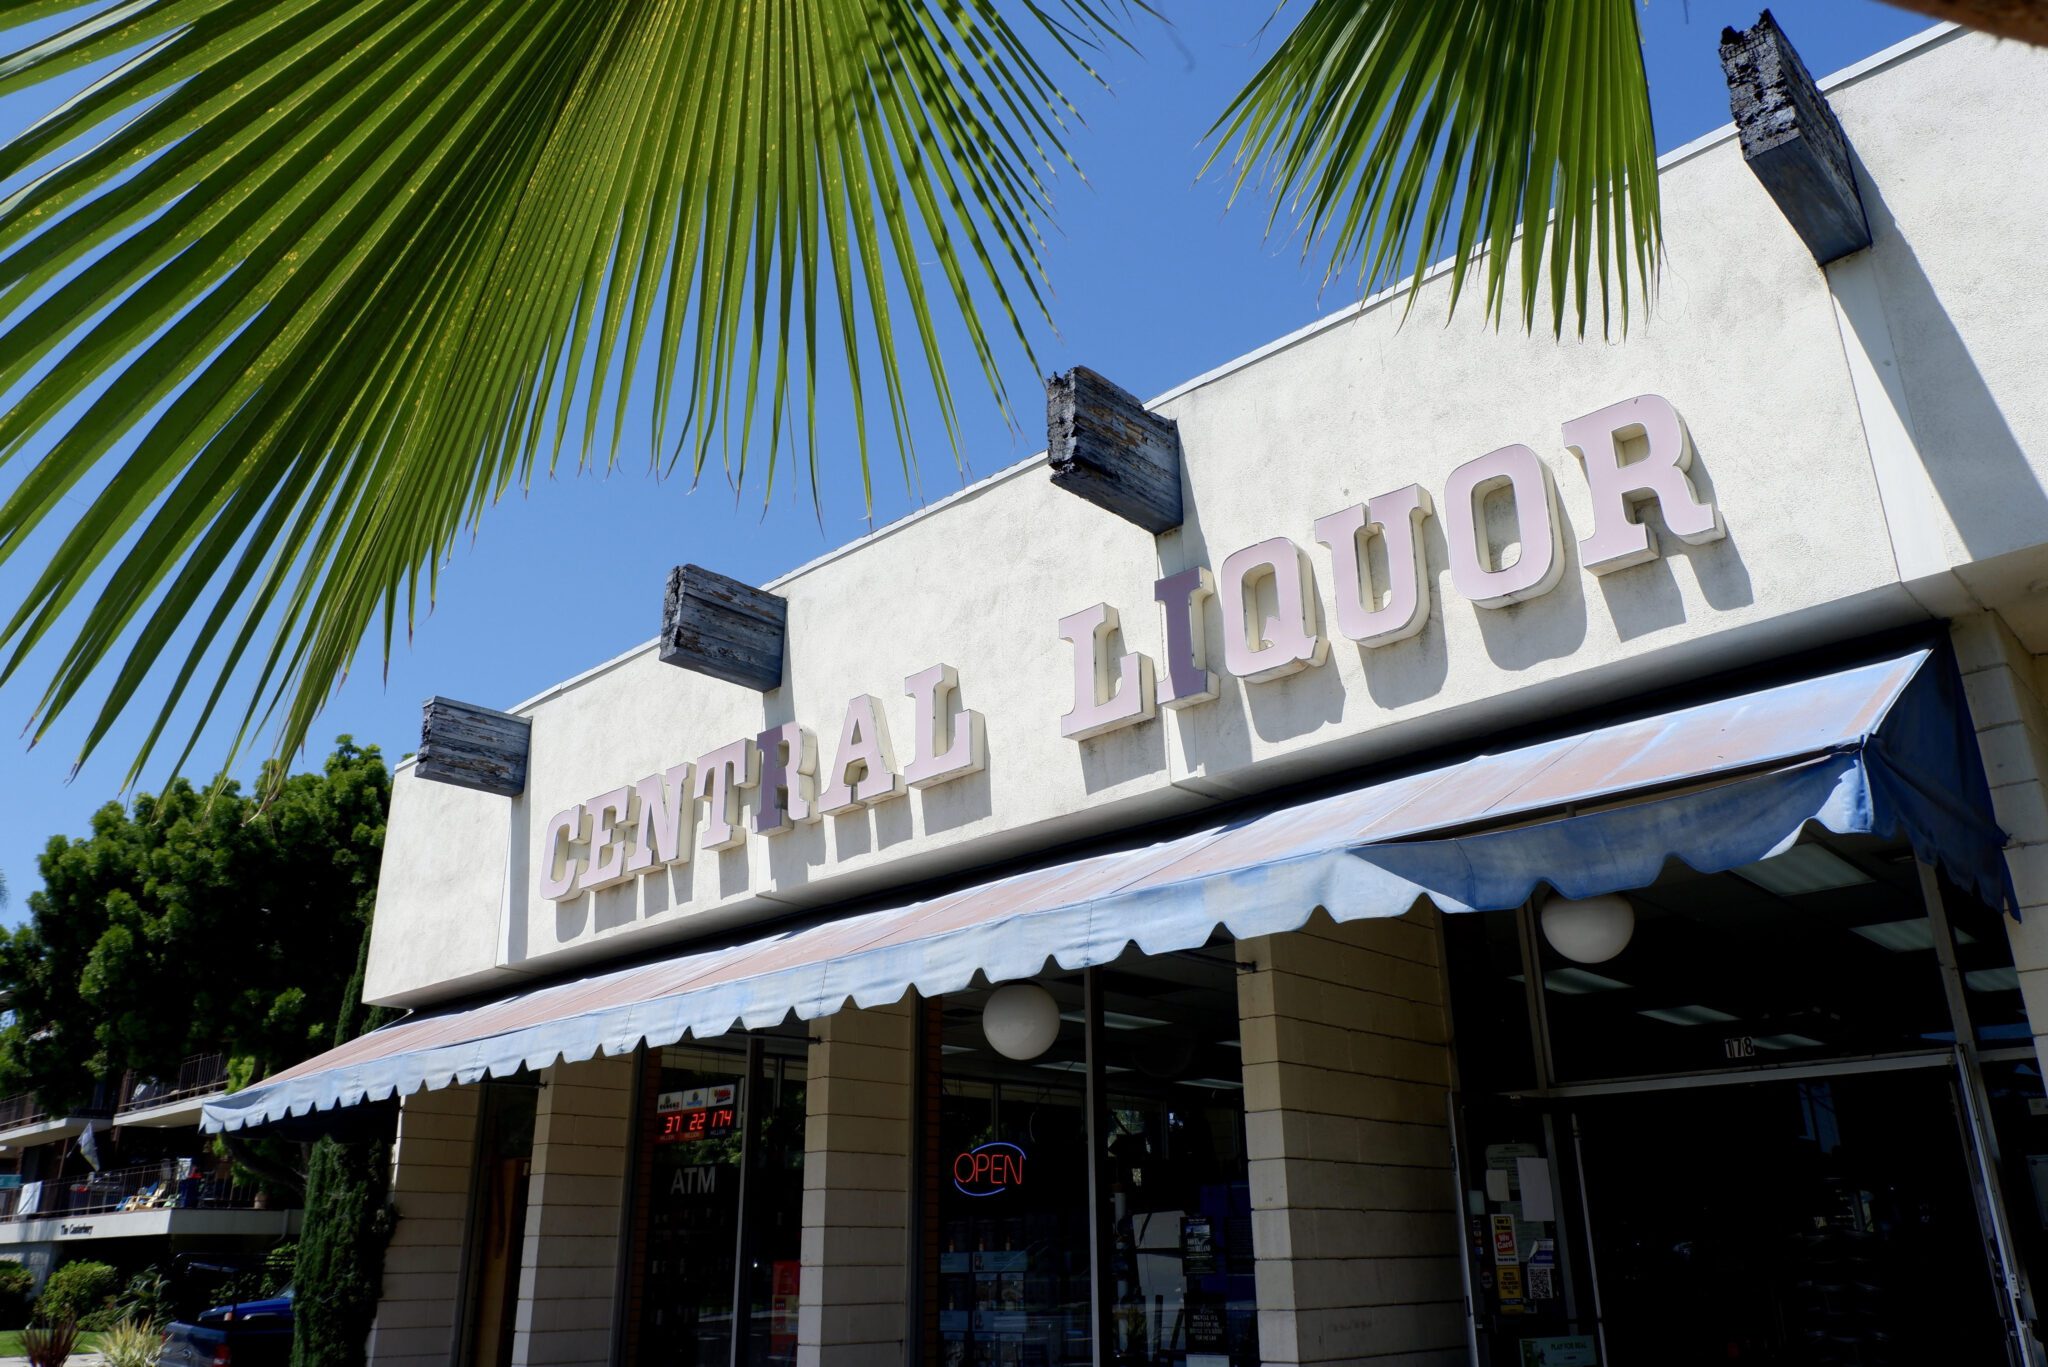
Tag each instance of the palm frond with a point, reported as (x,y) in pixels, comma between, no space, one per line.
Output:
(311,283)
(1396,131)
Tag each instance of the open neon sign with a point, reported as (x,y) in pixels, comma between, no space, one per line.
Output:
(989,1170)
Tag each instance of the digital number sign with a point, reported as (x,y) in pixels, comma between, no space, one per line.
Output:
(684,1127)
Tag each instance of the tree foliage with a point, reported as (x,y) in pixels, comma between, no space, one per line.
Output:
(347,1225)
(326,278)
(192,922)
(1395,131)
(312,283)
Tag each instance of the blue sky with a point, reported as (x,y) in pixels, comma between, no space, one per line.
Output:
(1154,283)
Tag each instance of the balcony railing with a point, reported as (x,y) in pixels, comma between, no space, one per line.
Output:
(20,1109)
(147,1186)
(197,1076)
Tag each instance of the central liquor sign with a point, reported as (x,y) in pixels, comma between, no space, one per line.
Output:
(1275,623)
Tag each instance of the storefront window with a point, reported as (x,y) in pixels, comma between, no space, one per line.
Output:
(720,1187)
(1014,1227)
(1787,1027)
(1823,952)
(1013,1257)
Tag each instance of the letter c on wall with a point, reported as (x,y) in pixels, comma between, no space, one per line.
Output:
(558,863)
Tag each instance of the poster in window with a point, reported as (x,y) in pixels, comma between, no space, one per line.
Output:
(1207,1325)
(1198,1246)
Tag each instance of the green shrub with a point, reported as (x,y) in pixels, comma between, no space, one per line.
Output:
(17,1284)
(132,1343)
(146,1299)
(278,1265)
(76,1291)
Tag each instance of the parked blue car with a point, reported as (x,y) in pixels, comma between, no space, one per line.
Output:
(240,1334)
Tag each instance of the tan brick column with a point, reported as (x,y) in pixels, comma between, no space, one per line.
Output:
(569,1272)
(856,1236)
(1346,1074)
(431,1165)
(2007,688)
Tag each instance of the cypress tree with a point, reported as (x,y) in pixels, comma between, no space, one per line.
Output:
(340,1271)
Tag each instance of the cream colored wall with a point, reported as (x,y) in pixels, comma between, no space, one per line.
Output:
(576,1201)
(1347,1077)
(432,1163)
(1747,339)
(1950,147)
(2008,690)
(856,1213)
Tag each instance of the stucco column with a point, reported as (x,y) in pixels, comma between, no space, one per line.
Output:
(2007,687)
(569,1270)
(431,1165)
(1346,1074)
(856,1232)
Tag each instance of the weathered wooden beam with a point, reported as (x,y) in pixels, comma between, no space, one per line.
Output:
(721,627)
(1104,446)
(1792,140)
(473,747)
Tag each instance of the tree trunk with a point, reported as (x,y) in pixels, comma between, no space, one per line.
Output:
(340,1272)
(2026,20)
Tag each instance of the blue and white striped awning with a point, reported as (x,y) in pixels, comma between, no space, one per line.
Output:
(1883,749)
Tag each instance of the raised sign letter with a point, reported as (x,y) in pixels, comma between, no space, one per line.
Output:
(1360,613)
(1286,640)
(720,776)
(938,761)
(558,863)
(607,811)
(864,767)
(1540,562)
(789,767)
(1106,696)
(662,822)
(1181,598)
(1618,540)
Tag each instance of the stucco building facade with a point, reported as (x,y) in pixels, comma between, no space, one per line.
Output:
(1544,860)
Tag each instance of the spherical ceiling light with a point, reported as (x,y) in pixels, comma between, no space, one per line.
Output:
(1021,1021)
(1589,930)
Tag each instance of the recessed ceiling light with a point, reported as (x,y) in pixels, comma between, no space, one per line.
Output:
(1074,1065)
(1803,869)
(1232,1043)
(1785,1042)
(1115,1020)
(1904,937)
(1992,979)
(1687,1015)
(956,1049)
(1214,1084)
(1577,982)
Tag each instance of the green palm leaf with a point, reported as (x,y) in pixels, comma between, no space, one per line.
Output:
(1394,131)
(329,277)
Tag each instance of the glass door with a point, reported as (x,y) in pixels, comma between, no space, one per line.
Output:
(1828,1220)
(1531,1300)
